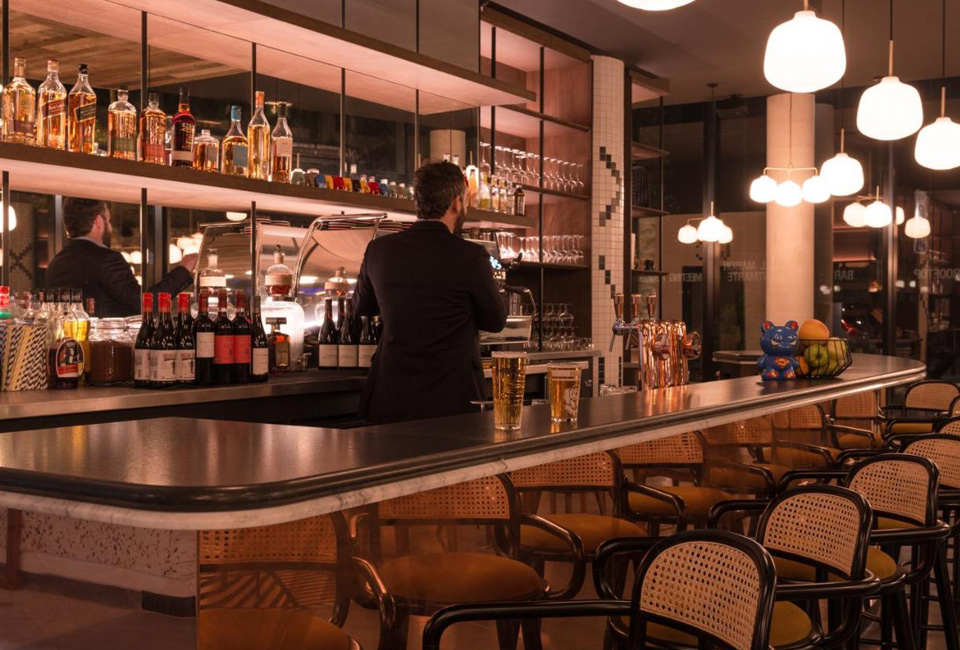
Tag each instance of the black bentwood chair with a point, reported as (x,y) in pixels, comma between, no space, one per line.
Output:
(716,586)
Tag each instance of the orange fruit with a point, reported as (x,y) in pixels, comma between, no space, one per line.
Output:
(804,367)
(813,330)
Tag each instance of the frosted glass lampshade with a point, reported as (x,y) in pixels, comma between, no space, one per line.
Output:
(236,216)
(853,215)
(917,227)
(710,229)
(815,190)
(901,216)
(655,5)
(844,175)
(788,194)
(804,54)
(938,145)
(687,234)
(176,255)
(763,189)
(890,110)
(877,215)
(727,236)
(11,217)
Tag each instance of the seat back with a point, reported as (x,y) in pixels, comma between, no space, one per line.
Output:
(752,432)
(898,486)
(599,471)
(486,500)
(944,451)
(858,410)
(950,428)
(822,526)
(801,419)
(716,585)
(931,394)
(680,450)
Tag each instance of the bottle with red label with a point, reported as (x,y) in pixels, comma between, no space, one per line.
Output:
(186,344)
(223,345)
(242,341)
(184,129)
(204,339)
(141,349)
(163,347)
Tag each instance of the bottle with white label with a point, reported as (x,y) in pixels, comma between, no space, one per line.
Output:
(281,148)
(260,364)
(328,350)
(349,349)
(141,349)
(203,336)
(368,344)
(279,278)
(163,347)
(186,345)
(212,279)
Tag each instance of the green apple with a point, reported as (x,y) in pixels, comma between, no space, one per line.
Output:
(816,356)
(836,349)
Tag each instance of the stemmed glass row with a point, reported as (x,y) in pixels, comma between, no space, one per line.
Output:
(560,331)
(524,167)
(557,249)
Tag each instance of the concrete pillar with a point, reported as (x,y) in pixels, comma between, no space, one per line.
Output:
(790,231)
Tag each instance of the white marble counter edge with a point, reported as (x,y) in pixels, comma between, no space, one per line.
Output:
(249,518)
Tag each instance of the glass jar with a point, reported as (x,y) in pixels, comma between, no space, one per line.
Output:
(111,352)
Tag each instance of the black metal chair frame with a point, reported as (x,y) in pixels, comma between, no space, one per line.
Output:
(936,416)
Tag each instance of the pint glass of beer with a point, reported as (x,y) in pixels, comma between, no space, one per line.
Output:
(509,377)
(563,381)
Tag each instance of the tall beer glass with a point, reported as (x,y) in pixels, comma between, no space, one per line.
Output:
(563,381)
(509,377)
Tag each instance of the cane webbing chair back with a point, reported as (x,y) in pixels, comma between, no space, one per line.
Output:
(935,395)
(715,587)
(824,524)
(955,406)
(486,499)
(899,486)
(950,428)
(684,449)
(944,452)
(593,471)
(755,431)
(802,418)
(858,410)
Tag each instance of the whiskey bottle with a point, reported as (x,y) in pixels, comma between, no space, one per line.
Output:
(19,106)
(163,347)
(212,278)
(184,128)
(223,345)
(279,279)
(519,202)
(141,349)
(348,350)
(81,114)
(242,341)
(66,355)
(52,110)
(329,340)
(79,326)
(153,132)
(258,139)
(260,346)
(203,330)
(368,344)
(281,147)
(186,344)
(235,156)
(279,342)
(206,152)
(122,128)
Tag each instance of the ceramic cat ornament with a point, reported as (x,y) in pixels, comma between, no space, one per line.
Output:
(779,345)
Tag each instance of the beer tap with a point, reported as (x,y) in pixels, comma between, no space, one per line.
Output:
(620,326)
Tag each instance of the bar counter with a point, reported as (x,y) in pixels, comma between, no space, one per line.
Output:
(183,474)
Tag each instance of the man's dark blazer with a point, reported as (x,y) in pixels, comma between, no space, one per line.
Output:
(434,291)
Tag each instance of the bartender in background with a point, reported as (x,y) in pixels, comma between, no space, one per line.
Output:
(435,291)
(87,262)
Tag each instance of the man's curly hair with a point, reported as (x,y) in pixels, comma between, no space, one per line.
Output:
(435,185)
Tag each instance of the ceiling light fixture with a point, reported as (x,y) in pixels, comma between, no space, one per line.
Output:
(804,54)
(853,215)
(877,214)
(655,5)
(917,227)
(763,189)
(816,189)
(890,110)
(687,234)
(711,229)
(938,144)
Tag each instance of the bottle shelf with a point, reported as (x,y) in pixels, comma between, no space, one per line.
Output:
(550,265)
(50,171)
(551,196)
(640,151)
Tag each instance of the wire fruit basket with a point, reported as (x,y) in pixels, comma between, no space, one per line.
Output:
(823,358)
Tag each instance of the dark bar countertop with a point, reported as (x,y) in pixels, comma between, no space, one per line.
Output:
(192,473)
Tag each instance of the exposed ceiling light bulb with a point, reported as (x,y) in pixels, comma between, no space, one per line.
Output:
(938,144)
(877,214)
(763,189)
(891,109)
(917,227)
(788,194)
(726,236)
(815,189)
(655,5)
(805,54)
(853,215)
(687,234)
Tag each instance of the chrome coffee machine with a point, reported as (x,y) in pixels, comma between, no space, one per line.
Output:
(521,306)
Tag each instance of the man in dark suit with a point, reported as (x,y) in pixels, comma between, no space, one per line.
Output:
(87,262)
(435,291)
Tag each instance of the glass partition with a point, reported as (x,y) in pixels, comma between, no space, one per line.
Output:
(379,119)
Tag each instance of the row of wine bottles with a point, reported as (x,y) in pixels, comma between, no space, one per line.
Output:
(349,342)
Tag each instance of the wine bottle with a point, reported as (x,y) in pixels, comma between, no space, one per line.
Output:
(368,345)
(329,339)
(348,350)
(186,345)
(141,349)
(260,358)
(203,330)
(242,340)
(163,347)
(223,347)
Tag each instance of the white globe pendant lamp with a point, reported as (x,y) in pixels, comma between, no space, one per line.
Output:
(655,5)
(901,216)
(853,215)
(938,144)
(763,189)
(890,110)
(789,194)
(815,189)
(917,227)
(878,214)
(710,229)
(804,54)
(727,236)
(687,234)
(843,174)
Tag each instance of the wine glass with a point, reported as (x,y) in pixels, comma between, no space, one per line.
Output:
(578,180)
(485,158)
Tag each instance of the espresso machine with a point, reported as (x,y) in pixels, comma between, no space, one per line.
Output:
(663,347)
(521,305)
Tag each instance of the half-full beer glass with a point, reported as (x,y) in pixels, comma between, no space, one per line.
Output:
(509,377)
(563,380)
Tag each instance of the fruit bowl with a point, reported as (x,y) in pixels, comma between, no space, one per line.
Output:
(821,358)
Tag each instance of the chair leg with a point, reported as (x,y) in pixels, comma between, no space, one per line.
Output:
(947,606)
(394,637)
(886,621)
(508,634)
(531,634)
(901,621)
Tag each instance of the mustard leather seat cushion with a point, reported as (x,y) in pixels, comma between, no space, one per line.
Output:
(886,523)
(459,578)
(801,458)
(878,563)
(277,629)
(911,427)
(698,501)
(593,530)
(733,478)
(852,441)
(790,625)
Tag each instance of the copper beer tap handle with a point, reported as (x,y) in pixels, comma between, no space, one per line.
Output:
(651,305)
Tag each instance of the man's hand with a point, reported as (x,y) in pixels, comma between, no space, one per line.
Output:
(189,262)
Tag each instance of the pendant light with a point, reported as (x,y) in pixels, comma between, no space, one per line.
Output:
(687,234)
(655,5)
(890,110)
(917,226)
(938,144)
(763,189)
(877,214)
(789,194)
(853,215)
(901,215)
(815,189)
(804,54)
(726,236)
(710,229)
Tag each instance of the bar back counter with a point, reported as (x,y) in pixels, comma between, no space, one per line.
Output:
(120,503)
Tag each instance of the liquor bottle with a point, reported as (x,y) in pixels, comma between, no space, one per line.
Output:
(235,156)
(279,279)
(81,114)
(511,201)
(281,147)
(163,347)
(473,183)
(242,341)
(258,139)
(368,344)
(260,346)
(184,128)
(348,352)
(168,142)
(6,309)
(298,176)
(354,179)
(212,278)
(66,360)
(206,152)
(223,346)
(494,195)
(329,340)
(519,202)
(341,303)
(153,132)
(186,344)
(122,128)
(78,327)
(279,345)
(19,106)
(141,349)
(203,330)
(52,109)
(364,185)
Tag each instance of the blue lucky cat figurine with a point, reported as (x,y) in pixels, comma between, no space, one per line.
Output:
(779,345)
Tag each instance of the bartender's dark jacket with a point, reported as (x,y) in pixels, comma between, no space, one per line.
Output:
(434,291)
(106,277)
